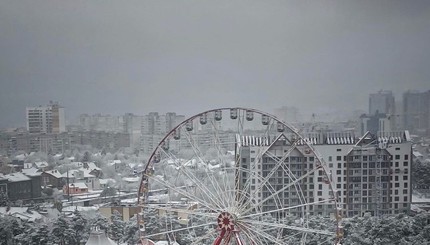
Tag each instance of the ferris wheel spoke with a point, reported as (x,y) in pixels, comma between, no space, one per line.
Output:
(290,227)
(286,208)
(184,211)
(176,230)
(217,142)
(243,205)
(281,190)
(252,173)
(217,191)
(289,173)
(215,184)
(261,233)
(182,192)
(279,163)
(251,236)
(208,235)
(204,190)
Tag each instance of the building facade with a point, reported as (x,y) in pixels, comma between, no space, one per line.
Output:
(370,174)
(46,119)
(155,127)
(416,111)
(382,102)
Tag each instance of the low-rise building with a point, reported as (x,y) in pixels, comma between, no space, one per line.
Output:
(75,188)
(52,178)
(23,187)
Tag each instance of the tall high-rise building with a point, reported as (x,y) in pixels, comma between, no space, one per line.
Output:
(416,111)
(155,127)
(371,174)
(133,127)
(46,119)
(382,102)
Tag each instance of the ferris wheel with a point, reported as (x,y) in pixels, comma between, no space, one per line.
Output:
(237,176)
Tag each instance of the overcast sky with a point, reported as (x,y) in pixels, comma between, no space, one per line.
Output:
(187,56)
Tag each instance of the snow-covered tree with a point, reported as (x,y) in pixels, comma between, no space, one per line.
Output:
(131,232)
(100,221)
(9,228)
(78,225)
(4,199)
(116,229)
(61,232)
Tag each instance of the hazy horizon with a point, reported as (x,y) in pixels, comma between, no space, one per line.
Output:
(189,56)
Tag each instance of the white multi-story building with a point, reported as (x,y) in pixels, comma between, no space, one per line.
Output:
(370,174)
(155,127)
(46,119)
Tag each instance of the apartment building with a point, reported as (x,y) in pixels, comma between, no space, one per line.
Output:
(416,111)
(369,174)
(155,127)
(46,119)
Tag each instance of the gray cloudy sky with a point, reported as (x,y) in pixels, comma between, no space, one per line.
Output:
(191,55)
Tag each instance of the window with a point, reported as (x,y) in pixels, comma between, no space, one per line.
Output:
(338,149)
(397,157)
(406,156)
(405,164)
(339,165)
(330,158)
(244,160)
(405,177)
(339,158)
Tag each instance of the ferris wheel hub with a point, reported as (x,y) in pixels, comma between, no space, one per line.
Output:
(226,221)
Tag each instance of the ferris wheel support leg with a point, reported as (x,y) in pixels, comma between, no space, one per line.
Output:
(219,238)
(239,242)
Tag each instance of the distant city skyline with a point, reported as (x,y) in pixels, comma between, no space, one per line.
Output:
(190,56)
(322,113)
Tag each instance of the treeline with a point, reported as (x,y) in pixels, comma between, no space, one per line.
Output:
(66,231)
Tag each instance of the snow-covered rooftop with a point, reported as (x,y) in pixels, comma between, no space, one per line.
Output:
(92,166)
(78,185)
(22,212)
(106,181)
(17,177)
(41,164)
(54,173)
(31,171)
